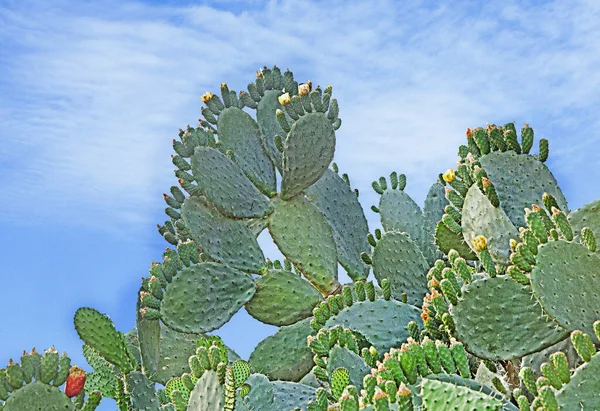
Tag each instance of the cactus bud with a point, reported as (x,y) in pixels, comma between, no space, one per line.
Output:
(284,99)
(479,243)
(206,97)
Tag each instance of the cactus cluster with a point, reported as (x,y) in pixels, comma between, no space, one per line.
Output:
(487,297)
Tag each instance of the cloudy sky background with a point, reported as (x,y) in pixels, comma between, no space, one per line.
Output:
(92,94)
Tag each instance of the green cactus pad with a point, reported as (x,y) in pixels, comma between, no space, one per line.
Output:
(208,394)
(143,393)
(175,349)
(356,366)
(499,319)
(99,332)
(38,396)
(225,185)
(447,240)
(382,322)
(103,378)
(239,133)
(304,236)
(400,260)
(203,297)
(438,395)
(149,339)
(265,116)
(480,217)
(565,280)
(520,180)
(261,395)
(285,355)
(433,210)
(282,298)
(336,200)
(308,151)
(133,344)
(587,216)
(289,395)
(472,385)
(582,390)
(222,239)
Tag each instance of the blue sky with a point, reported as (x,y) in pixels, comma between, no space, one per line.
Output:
(92,93)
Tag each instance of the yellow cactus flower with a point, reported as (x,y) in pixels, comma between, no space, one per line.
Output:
(303,89)
(449,176)
(284,99)
(206,97)
(479,243)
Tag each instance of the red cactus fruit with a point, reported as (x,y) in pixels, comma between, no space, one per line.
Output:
(75,381)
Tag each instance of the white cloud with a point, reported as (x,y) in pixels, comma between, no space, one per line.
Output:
(93,94)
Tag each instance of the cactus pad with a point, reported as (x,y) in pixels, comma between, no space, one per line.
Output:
(265,116)
(143,394)
(240,134)
(447,240)
(203,297)
(382,322)
(284,355)
(587,216)
(346,218)
(520,180)
(499,319)
(38,396)
(565,280)
(99,332)
(304,236)
(282,298)
(356,366)
(439,395)
(397,258)
(308,151)
(289,395)
(222,239)
(208,394)
(480,217)
(225,185)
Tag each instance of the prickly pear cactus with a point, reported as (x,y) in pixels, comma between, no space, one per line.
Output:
(486,298)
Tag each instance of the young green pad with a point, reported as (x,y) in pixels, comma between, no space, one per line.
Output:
(98,331)
(222,239)
(143,393)
(498,319)
(38,396)
(536,359)
(397,258)
(565,280)
(381,322)
(438,395)
(282,298)
(265,116)
(239,133)
(336,200)
(480,217)
(520,180)
(356,366)
(447,240)
(308,151)
(208,394)
(587,216)
(284,355)
(304,236)
(582,389)
(203,297)
(225,185)
(289,395)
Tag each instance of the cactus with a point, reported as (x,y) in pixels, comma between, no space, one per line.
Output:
(486,297)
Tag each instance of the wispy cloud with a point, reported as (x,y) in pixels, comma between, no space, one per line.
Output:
(91,95)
